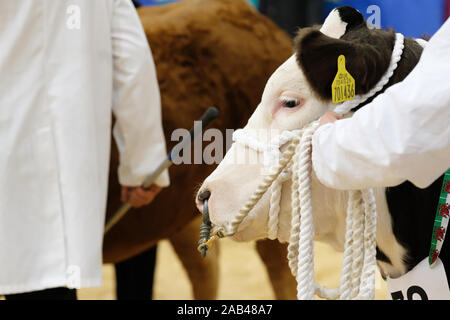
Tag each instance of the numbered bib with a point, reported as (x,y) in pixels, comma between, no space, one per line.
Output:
(421,283)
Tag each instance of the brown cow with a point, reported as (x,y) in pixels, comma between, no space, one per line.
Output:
(207,52)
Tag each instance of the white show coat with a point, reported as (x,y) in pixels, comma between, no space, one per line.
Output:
(404,134)
(64,65)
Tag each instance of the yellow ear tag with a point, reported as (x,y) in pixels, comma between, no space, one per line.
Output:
(343,87)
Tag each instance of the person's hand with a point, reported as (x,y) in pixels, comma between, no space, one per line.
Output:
(329,117)
(138,196)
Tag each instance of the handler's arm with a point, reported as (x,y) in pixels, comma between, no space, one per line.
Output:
(404,134)
(137,105)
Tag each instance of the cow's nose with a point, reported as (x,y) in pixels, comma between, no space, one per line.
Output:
(201,197)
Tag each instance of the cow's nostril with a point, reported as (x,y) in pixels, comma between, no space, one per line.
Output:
(203,195)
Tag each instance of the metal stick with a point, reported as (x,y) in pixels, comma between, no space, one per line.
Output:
(210,115)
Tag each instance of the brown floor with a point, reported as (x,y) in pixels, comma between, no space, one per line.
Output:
(238,280)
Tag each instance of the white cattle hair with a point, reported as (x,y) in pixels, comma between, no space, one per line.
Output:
(358,267)
(333,26)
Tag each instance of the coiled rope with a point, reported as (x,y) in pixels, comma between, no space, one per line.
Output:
(358,266)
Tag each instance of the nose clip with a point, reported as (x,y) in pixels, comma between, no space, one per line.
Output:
(204,195)
(206,241)
(205,229)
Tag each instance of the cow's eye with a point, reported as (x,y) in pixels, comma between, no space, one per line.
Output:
(290,103)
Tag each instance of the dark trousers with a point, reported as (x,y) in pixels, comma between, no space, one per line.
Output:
(134,277)
(48,294)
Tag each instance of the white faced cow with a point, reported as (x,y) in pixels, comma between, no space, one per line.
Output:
(300,92)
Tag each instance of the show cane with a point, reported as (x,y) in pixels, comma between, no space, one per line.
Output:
(210,115)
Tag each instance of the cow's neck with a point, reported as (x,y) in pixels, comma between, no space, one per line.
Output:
(330,208)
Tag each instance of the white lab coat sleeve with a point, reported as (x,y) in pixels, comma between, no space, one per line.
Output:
(136,100)
(404,134)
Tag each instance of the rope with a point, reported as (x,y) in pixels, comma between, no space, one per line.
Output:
(358,266)
(305,269)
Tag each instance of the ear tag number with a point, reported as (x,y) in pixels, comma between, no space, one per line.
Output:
(343,87)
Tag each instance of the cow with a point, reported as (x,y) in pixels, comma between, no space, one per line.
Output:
(298,93)
(207,53)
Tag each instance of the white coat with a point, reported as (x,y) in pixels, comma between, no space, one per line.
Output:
(404,134)
(64,66)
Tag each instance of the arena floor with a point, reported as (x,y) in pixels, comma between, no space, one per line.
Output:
(237,280)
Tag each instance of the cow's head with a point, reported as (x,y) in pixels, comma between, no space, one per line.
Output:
(297,93)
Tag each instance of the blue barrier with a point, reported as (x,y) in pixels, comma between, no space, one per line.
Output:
(155,2)
(254,2)
(160,2)
(412,18)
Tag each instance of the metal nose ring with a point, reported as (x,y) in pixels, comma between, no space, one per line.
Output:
(205,228)
(204,195)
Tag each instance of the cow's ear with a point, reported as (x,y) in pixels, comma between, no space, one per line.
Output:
(317,56)
(342,20)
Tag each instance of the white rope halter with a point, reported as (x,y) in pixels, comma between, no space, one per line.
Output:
(358,267)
